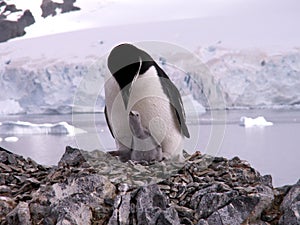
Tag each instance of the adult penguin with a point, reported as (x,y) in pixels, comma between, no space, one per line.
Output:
(139,84)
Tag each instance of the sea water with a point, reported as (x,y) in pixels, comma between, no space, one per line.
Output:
(271,150)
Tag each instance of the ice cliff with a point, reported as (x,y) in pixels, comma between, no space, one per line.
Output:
(254,78)
(245,79)
(47,87)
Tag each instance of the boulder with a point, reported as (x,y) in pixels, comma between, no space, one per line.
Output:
(291,206)
(11,29)
(49,7)
(20,215)
(94,188)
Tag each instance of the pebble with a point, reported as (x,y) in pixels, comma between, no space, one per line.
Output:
(217,184)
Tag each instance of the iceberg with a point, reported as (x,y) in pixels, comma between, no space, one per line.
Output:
(251,122)
(11,139)
(21,127)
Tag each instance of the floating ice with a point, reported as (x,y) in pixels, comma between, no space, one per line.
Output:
(11,139)
(258,121)
(21,127)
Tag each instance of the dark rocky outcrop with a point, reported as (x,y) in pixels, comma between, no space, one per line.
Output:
(16,28)
(290,206)
(83,190)
(49,7)
(11,29)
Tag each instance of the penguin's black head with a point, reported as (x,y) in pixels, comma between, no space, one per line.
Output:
(124,62)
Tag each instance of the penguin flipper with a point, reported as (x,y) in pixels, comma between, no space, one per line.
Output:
(175,99)
(176,102)
(108,123)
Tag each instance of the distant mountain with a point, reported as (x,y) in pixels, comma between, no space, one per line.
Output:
(14,20)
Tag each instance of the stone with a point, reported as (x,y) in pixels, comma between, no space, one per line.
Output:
(73,202)
(211,202)
(12,29)
(152,207)
(167,217)
(97,188)
(121,210)
(20,215)
(5,190)
(49,7)
(202,222)
(71,157)
(291,206)
(7,204)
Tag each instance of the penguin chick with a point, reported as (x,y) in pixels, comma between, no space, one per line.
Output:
(144,146)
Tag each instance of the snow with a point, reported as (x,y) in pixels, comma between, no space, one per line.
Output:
(106,13)
(259,121)
(23,127)
(206,21)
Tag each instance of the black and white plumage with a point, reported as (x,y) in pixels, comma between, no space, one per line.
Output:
(139,84)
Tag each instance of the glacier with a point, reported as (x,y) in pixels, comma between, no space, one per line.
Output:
(52,70)
(256,79)
(240,78)
(42,89)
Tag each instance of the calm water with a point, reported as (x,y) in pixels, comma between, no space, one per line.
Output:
(271,150)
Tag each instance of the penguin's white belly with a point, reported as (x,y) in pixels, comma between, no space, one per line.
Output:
(148,98)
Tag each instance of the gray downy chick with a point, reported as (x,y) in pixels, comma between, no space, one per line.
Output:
(144,147)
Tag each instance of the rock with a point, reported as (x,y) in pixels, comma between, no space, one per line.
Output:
(20,215)
(152,207)
(71,157)
(291,206)
(73,201)
(49,8)
(11,29)
(97,188)
(202,222)
(121,211)
(147,205)
(5,190)
(6,205)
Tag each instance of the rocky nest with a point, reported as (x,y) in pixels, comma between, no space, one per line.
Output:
(96,188)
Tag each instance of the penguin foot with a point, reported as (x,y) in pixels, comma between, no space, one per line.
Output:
(123,155)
